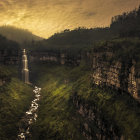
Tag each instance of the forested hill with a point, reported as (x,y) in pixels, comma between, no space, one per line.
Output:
(19,35)
(125,25)
(80,36)
(6,44)
(75,39)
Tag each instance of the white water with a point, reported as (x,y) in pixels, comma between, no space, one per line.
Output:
(30,117)
(25,70)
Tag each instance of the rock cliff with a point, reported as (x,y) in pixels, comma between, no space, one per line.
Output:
(9,56)
(116,74)
(106,71)
(95,125)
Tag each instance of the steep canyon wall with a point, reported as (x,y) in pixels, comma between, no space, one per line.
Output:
(116,74)
(9,57)
(106,71)
(95,125)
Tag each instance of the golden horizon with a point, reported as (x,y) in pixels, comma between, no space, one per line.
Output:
(46,17)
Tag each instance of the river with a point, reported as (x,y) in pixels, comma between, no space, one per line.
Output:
(30,116)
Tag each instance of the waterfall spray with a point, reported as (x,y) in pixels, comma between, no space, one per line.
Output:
(25,70)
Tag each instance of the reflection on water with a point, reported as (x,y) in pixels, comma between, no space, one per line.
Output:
(30,117)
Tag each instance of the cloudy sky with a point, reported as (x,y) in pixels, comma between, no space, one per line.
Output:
(46,17)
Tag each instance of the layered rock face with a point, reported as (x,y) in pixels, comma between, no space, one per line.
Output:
(43,56)
(9,57)
(94,125)
(57,57)
(133,83)
(106,71)
(115,74)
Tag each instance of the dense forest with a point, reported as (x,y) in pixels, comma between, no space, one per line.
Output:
(127,24)
(8,44)
(77,39)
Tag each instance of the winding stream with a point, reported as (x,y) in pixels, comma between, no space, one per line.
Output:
(30,116)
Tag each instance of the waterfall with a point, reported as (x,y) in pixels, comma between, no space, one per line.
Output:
(25,71)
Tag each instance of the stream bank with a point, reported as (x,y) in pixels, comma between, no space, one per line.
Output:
(30,116)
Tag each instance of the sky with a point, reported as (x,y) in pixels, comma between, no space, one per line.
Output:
(46,17)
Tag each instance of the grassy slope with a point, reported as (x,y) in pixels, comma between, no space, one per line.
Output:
(56,112)
(15,98)
(57,116)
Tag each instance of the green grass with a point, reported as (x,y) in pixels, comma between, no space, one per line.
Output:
(58,118)
(56,111)
(15,98)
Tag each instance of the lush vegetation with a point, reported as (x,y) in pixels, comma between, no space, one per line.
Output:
(6,44)
(76,40)
(59,84)
(15,98)
(122,111)
(127,24)
(124,50)
(58,117)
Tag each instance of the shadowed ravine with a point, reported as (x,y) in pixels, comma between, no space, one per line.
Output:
(30,116)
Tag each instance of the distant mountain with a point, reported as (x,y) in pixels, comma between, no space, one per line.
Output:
(122,26)
(77,39)
(21,36)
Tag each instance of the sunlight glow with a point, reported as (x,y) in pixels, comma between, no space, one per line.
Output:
(46,17)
